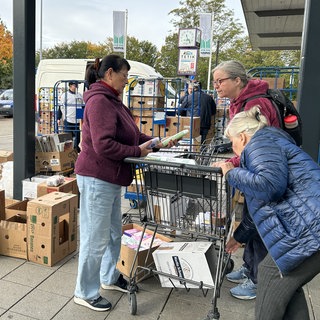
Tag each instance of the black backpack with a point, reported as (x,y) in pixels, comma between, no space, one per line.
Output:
(284,107)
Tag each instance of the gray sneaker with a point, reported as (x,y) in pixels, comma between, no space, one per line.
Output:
(120,285)
(238,276)
(245,291)
(99,304)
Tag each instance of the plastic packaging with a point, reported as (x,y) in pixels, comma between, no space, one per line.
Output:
(154,143)
(55,181)
(176,136)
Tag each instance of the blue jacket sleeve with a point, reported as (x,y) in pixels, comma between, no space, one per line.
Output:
(263,173)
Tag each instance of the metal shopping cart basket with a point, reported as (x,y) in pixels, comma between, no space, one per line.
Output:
(189,201)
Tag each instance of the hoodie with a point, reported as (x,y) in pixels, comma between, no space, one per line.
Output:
(109,135)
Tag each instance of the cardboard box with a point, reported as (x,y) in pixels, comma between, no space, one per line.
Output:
(274,83)
(13,236)
(189,260)
(52,227)
(55,161)
(69,186)
(13,228)
(16,208)
(177,124)
(30,186)
(146,106)
(6,156)
(127,254)
(147,126)
(145,87)
(8,201)
(165,208)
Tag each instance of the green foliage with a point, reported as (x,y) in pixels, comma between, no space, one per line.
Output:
(167,64)
(6,55)
(75,50)
(227,32)
(142,51)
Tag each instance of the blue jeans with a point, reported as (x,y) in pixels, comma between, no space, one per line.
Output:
(100,235)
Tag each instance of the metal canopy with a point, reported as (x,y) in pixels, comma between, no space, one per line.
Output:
(274,24)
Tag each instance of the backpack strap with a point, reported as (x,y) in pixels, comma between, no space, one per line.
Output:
(267,96)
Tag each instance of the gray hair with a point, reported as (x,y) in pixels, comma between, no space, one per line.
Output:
(249,121)
(234,69)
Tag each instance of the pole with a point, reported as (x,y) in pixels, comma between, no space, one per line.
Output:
(125,34)
(40,49)
(217,52)
(210,58)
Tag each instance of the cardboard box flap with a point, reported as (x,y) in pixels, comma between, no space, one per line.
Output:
(18,208)
(6,156)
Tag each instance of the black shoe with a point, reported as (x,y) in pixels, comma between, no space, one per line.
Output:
(99,304)
(120,285)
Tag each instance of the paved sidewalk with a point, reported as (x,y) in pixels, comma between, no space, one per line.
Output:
(32,291)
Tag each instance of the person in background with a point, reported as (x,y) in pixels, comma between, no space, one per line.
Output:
(231,81)
(199,104)
(109,135)
(281,184)
(71,100)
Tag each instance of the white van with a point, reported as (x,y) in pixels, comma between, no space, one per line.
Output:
(50,71)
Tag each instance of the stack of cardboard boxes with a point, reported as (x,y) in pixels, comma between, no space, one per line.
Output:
(55,153)
(43,226)
(42,230)
(147,105)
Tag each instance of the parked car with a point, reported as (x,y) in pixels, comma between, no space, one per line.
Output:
(6,103)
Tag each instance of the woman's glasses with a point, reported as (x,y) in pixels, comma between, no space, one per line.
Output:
(219,81)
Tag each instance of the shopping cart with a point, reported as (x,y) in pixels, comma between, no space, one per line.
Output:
(186,200)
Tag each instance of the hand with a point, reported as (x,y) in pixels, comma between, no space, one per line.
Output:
(170,144)
(232,245)
(226,166)
(145,148)
(217,164)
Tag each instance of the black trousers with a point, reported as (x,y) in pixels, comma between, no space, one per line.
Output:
(283,298)
(254,252)
(74,128)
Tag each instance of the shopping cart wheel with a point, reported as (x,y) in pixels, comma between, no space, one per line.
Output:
(133,302)
(133,204)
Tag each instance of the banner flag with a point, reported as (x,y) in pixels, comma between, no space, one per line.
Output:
(119,22)
(205,27)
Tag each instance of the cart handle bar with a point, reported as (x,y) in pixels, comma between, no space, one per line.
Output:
(173,164)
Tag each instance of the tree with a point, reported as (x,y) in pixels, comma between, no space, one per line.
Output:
(168,58)
(6,53)
(226,29)
(75,50)
(142,51)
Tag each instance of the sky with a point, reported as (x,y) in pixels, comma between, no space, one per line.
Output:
(66,21)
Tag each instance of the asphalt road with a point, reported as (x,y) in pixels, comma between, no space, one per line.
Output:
(6,134)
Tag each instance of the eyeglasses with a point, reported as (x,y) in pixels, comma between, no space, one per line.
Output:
(219,81)
(125,75)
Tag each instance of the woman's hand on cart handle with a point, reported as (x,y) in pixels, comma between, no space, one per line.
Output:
(232,245)
(225,166)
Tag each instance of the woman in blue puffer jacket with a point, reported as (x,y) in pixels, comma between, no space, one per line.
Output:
(281,184)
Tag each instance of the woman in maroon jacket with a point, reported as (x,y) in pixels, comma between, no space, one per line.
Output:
(231,81)
(109,135)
